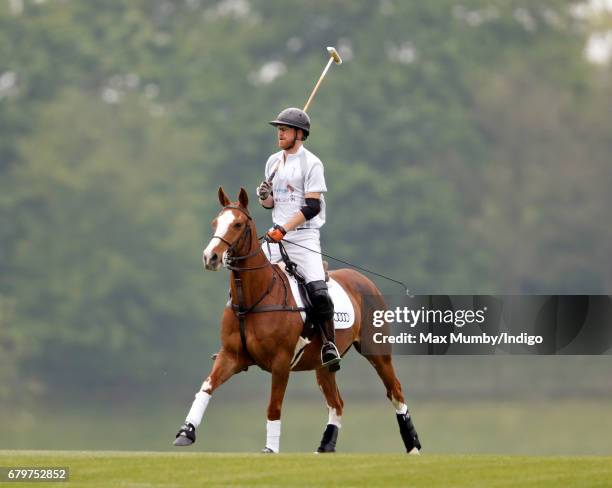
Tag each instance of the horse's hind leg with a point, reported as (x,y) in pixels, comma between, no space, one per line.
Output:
(225,366)
(335,405)
(384,368)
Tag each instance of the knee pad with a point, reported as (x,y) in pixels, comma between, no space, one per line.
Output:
(323,306)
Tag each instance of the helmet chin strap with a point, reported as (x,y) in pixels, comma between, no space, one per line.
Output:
(295,139)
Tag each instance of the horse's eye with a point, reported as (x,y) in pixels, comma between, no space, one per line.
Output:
(237,225)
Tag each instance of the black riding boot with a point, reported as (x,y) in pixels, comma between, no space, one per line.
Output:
(323,315)
(330,357)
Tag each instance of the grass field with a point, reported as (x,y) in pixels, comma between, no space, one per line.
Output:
(561,428)
(146,469)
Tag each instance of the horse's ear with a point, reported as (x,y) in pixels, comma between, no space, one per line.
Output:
(223,198)
(243,198)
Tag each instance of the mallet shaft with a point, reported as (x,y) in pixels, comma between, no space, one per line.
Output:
(316,88)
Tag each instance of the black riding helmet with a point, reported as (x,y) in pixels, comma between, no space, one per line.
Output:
(293,117)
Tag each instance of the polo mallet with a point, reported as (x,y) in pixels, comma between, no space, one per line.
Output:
(333,57)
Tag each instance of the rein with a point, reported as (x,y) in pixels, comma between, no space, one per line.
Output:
(361,268)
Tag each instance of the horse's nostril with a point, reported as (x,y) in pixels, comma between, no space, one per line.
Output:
(214,258)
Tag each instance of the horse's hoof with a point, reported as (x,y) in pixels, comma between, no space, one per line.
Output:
(414,452)
(325,451)
(267,450)
(185,436)
(182,442)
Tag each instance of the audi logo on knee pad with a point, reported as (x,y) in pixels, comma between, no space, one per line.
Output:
(341,317)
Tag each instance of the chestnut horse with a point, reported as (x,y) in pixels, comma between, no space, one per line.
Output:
(271,336)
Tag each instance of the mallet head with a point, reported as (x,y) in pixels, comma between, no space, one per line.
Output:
(334,54)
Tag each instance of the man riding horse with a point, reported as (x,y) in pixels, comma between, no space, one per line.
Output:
(293,189)
(260,325)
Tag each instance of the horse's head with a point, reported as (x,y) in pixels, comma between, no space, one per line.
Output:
(231,231)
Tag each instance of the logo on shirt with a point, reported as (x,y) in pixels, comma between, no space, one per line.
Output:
(290,189)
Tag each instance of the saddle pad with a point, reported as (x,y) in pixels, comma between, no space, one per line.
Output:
(344,314)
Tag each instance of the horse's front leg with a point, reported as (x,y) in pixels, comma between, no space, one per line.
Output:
(226,365)
(280,378)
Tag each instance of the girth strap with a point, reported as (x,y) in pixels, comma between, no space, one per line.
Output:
(240,307)
(241,312)
(272,308)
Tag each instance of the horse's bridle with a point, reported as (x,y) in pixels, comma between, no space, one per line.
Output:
(230,263)
(232,247)
(246,233)
(240,309)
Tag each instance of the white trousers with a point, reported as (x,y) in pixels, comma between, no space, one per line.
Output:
(310,264)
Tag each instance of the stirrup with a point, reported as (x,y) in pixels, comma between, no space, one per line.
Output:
(330,357)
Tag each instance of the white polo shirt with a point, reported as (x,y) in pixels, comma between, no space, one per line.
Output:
(301,173)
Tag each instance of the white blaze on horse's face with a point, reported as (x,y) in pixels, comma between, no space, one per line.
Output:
(211,258)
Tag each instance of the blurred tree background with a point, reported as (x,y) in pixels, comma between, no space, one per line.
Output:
(466,145)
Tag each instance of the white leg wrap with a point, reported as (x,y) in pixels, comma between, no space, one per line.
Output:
(400,408)
(334,418)
(273,432)
(198,407)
